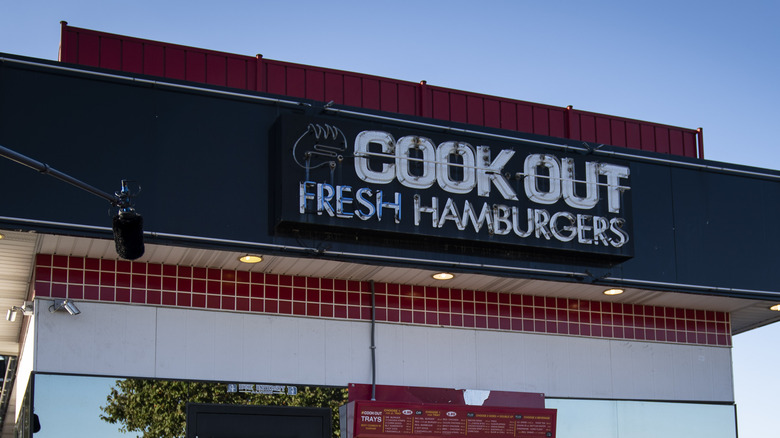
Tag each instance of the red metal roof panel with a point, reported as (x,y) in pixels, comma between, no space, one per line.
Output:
(116,52)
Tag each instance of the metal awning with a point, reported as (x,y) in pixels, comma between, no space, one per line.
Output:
(18,250)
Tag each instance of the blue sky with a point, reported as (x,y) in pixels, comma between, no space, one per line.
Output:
(711,64)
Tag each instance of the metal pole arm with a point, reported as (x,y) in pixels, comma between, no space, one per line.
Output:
(45,169)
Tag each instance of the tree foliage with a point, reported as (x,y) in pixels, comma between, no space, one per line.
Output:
(157,408)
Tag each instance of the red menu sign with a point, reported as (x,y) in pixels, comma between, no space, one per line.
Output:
(404,420)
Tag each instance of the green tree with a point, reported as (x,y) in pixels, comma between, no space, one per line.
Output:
(157,408)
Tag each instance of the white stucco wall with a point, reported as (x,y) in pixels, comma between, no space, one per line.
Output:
(142,341)
(24,368)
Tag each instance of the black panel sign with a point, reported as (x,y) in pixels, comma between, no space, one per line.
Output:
(249,421)
(417,181)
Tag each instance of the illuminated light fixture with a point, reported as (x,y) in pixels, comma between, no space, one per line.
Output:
(249,258)
(776,308)
(443,276)
(2,235)
(613,291)
(68,305)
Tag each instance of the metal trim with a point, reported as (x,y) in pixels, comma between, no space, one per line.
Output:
(584,276)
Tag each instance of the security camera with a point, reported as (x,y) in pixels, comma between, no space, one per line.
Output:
(68,305)
(71,308)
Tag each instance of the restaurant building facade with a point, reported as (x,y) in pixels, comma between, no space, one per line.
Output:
(597,263)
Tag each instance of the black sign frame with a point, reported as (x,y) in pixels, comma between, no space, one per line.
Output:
(339,178)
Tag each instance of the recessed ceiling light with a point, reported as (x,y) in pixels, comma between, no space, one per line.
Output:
(250,258)
(613,291)
(776,308)
(2,235)
(443,276)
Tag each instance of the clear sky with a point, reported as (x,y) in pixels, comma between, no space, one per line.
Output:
(712,64)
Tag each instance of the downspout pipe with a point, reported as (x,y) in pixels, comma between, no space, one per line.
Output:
(373,341)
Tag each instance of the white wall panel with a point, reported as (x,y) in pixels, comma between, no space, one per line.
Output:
(111,339)
(414,354)
(559,370)
(104,339)
(594,379)
(229,358)
(488,347)
(348,353)
(722,376)
(664,381)
(24,368)
(632,364)
(465,368)
(389,354)
(533,363)
(283,348)
(445,363)
(200,350)
(170,346)
(312,341)
(256,357)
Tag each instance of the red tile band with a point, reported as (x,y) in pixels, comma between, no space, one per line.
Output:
(200,288)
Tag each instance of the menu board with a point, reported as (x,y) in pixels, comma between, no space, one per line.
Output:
(403,420)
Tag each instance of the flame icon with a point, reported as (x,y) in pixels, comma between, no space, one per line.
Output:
(319,145)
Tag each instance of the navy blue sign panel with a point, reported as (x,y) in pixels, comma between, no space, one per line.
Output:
(416,181)
(202,158)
